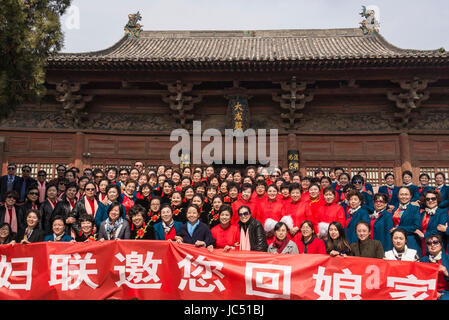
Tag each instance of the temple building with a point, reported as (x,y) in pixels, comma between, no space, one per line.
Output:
(338,97)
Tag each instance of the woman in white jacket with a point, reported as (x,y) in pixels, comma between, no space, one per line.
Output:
(400,250)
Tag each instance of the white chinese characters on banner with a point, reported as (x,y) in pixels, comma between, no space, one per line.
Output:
(70,273)
(136,268)
(203,271)
(341,283)
(409,287)
(9,270)
(270,281)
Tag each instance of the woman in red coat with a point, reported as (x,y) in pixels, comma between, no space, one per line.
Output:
(330,211)
(309,243)
(226,234)
(315,202)
(270,212)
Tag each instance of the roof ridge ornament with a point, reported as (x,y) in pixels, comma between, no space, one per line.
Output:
(133,28)
(370,25)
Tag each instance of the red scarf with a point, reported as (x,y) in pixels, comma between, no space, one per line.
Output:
(280,245)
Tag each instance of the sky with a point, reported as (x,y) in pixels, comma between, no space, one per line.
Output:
(91,25)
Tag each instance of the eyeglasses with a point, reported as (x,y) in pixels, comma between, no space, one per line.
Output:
(11,168)
(244,213)
(358,182)
(431,199)
(432,242)
(90,189)
(33,193)
(26,170)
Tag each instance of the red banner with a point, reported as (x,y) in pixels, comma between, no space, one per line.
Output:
(165,270)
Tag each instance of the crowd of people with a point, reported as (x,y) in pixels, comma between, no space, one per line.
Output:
(253,209)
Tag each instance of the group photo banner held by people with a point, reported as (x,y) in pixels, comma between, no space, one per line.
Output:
(166,270)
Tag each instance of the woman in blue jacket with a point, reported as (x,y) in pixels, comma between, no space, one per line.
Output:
(112,195)
(390,189)
(437,254)
(58,231)
(382,221)
(407,177)
(442,188)
(407,216)
(356,212)
(168,228)
(194,231)
(434,220)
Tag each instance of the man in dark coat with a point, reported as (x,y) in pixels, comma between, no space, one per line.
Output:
(10,182)
(27,181)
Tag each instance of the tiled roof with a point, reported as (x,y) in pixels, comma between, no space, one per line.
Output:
(222,49)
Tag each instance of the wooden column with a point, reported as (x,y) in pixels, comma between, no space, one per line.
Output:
(406,160)
(79,150)
(2,147)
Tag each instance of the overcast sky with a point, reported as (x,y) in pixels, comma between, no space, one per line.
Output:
(91,25)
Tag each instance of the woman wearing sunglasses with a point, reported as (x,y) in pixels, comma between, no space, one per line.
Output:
(381,221)
(433,219)
(358,182)
(437,254)
(31,201)
(252,234)
(88,204)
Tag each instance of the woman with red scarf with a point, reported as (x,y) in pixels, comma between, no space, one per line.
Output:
(88,204)
(407,216)
(213,214)
(140,229)
(48,206)
(433,220)
(178,207)
(282,244)
(168,228)
(127,198)
(437,254)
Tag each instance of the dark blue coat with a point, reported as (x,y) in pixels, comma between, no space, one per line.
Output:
(440,217)
(361,214)
(381,229)
(65,238)
(368,202)
(444,192)
(415,192)
(159,229)
(201,232)
(102,213)
(421,190)
(394,200)
(410,221)
(445,262)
